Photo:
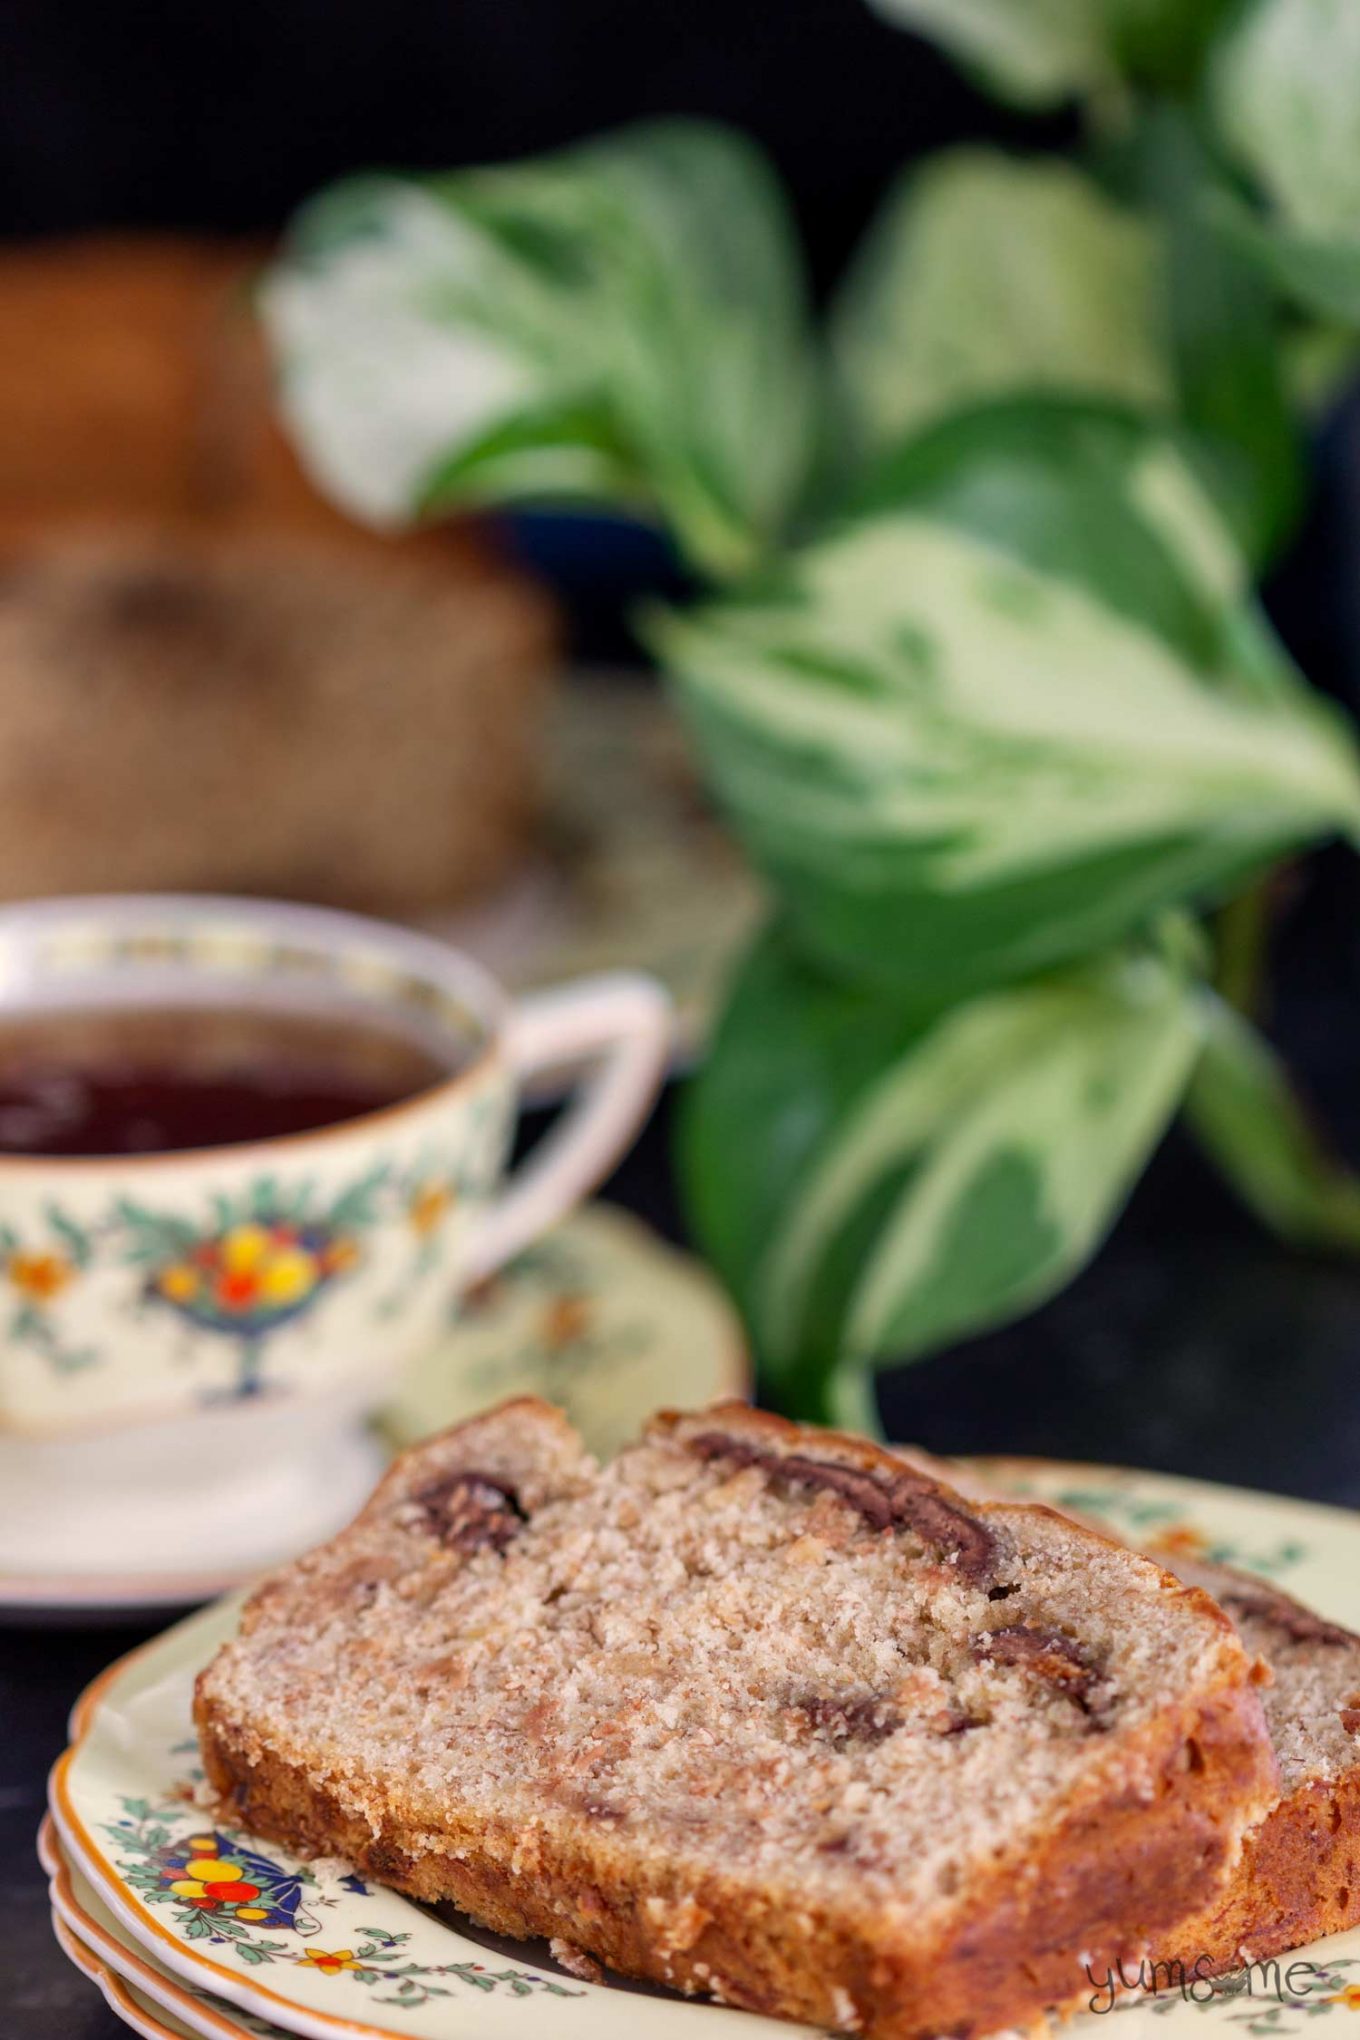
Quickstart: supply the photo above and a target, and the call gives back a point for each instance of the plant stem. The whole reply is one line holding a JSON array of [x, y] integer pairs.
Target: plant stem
[[1243, 945], [1108, 111], [851, 1402]]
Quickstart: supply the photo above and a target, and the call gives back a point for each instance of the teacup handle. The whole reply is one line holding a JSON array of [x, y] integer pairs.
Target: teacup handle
[[619, 1020]]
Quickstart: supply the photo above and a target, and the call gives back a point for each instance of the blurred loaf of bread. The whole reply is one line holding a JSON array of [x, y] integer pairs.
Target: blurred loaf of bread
[[208, 677]]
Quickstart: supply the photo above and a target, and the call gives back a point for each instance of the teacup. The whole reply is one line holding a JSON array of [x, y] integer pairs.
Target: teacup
[[190, 1340]]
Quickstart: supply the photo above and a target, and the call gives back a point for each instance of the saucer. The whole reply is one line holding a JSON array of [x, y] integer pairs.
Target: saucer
[[600, 1316], [319, 1950], [221, 1532]]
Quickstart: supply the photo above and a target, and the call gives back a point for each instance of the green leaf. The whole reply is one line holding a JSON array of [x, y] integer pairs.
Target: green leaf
[[153, 1233], [990, 1160], [1322, 360], [621, 323], [1285, 89], [1249, 1120], [1039, 52], [1035, 52], [1285, 93], [1164, 43], [999, 717], [791, 1052], [1320, 276], [985, 273], [1223, 332], [1091, 493]]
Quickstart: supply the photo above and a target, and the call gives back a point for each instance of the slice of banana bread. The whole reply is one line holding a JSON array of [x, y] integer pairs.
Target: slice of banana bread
[[756, 1711], [1298, 1877]]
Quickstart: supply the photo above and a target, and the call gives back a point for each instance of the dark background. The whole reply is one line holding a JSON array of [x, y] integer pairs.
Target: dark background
[[1194, 1343], [224, 117]]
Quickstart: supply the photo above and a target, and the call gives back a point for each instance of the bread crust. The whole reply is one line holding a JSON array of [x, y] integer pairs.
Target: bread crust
[[1297, 1881], [1133, 1853], [1111, 1881]]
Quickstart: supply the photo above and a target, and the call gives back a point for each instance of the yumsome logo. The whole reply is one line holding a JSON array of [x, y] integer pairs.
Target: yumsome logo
[[1193, 1982]]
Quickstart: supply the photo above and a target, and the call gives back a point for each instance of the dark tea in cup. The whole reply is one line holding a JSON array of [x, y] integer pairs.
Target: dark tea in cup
[[116, 1081]]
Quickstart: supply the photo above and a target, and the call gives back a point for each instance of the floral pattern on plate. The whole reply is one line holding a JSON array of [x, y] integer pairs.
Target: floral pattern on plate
[[223, 1892], [77, 1909], [1278, 1538]]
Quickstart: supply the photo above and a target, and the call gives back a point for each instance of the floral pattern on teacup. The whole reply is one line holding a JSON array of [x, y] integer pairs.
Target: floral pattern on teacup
[[267, 1259], [36, 1275], [264, 1257]]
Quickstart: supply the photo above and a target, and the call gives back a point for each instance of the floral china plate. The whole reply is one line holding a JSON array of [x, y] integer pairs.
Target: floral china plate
[[135, 1984], [600, 1316], [317, 1950]]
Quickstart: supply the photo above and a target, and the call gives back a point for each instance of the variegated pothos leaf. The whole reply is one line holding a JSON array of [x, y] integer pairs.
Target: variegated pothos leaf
[[1038, 52], [1285, 91], [1248, 1118], [985, 273], [1285, 83], [1004, 714], [993, 1156], [621, 324]]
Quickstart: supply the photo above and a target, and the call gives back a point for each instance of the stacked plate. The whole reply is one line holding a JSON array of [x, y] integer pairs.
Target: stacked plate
[[192, 1927]]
